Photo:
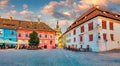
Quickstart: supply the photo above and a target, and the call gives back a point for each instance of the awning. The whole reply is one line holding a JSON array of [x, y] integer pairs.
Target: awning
[[1, 41], [9, 42], [22, 42]]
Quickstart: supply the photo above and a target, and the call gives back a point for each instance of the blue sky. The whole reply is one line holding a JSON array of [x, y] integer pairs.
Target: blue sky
[[66, 11]]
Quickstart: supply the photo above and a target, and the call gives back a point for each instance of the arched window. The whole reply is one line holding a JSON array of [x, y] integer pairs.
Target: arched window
[[40, 35], [51, 36], [45, 35], [19, 35], [50, 41], [12, 32]]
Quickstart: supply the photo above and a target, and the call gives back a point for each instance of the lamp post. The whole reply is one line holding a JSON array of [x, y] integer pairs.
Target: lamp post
[[105, 44]]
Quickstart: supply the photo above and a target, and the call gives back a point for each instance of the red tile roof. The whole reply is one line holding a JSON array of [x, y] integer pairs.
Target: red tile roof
[[24, 25], [91, 13]]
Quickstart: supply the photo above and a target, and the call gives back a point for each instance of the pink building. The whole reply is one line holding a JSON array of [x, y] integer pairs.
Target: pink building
[[45, 33]]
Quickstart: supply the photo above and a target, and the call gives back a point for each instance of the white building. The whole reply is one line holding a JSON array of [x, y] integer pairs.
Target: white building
[[97, 29]]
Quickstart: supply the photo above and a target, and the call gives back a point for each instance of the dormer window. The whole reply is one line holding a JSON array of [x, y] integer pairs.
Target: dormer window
[[104, 12], [27, 26], [85, 17], [116, 15], [35, 27]]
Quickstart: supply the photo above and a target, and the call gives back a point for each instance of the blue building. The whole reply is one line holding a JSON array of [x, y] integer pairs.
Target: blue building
[[8, 34]]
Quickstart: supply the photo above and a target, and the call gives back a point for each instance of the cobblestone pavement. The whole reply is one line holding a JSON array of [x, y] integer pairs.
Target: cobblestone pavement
[[57, 57]]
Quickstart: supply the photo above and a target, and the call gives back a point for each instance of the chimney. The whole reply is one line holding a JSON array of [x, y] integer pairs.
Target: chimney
[[11, 18]]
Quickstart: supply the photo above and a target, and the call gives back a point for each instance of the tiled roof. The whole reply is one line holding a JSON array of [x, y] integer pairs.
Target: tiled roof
[[24, 25], [91, 13]]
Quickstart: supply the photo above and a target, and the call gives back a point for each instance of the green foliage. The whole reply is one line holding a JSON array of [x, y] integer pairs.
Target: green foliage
[[34, 40]]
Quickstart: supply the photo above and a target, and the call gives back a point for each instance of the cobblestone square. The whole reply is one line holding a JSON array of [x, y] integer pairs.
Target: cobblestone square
[[57, 57]]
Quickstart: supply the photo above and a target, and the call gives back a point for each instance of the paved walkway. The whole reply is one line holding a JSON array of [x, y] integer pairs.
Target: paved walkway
[[57, 57]]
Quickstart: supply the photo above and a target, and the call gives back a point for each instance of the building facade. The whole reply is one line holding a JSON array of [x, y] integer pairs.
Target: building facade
[[8, 34], [97, 30], [18, 31], [57, 34], [62, 41]]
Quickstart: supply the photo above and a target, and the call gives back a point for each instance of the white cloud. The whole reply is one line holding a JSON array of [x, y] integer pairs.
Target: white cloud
[[4, 3], [14, 12], [115, 1], [69, 9], [25, 6], [25, 13], [62, 22]]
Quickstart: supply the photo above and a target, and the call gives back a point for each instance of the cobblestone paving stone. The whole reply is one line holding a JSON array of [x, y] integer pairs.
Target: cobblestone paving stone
[[58, 57]]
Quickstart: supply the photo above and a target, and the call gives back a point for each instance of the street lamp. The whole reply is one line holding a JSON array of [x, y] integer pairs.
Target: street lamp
[[106, 43]]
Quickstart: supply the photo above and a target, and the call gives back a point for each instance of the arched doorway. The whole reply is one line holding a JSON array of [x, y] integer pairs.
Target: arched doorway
[[88, 47], [45, 46]]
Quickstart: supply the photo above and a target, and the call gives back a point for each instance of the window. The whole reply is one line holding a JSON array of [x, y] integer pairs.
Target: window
[[74, 32], [10, 39], [91, 37], [27, 26], [69, 34], [26, 35], [90, 26], [50, 36], [40, 41], [50, 41], [46, 41], [104, 24], [74, 39], [0, 32], [112, 37], [35, 27], [81, 38], [40, 35], [19, 35], [111, 25], [12, 32], [82, 29], [104, 36], [45, 35]]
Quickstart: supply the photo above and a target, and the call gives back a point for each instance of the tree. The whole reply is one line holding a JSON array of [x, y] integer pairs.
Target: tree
[[34, 40]]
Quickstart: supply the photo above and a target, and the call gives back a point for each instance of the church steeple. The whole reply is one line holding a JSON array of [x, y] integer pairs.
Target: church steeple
[[57, 26], [38, 19]]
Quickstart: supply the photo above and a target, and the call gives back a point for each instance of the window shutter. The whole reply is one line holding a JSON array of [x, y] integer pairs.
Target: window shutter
[[82, 29], [81, 38], [104, 36], [74, 32], [91, 37], [104, 24], [74, 39], [90, 26], [111, 25], [112, 37]]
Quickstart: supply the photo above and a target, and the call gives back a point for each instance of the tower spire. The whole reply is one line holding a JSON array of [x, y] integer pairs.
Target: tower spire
[[57, 26], [38, 19]]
